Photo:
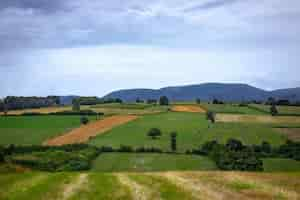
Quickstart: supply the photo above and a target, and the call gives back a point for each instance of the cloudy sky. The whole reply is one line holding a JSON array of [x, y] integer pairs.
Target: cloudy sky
[[89, 47]]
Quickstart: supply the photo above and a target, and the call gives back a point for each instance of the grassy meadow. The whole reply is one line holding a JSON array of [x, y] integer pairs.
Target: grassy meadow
[[147, 162], [26, 130], [193, 130]]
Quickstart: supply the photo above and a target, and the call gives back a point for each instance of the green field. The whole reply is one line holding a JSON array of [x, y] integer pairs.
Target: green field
[[27, 130], [281, 165], [193, 130], [144, 162], [230, 108], [282, 110]]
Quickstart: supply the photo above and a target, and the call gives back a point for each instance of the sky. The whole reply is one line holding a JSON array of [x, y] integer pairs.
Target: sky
[[88, 47]]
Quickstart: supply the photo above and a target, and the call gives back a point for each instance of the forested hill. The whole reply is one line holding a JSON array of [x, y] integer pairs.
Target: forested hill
[[207, 91]]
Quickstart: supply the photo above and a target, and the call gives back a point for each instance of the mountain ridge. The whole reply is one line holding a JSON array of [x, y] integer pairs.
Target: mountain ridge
[[207, 91]]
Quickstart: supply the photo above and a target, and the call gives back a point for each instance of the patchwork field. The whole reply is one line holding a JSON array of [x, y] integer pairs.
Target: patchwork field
[[146, 162], [188, 108], [231, 108], [27, 130], [148, 186], [192, 128], [85, 132]]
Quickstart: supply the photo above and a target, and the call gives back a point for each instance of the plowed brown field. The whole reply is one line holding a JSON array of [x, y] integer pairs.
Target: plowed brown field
[[83, 133], [188, 108]]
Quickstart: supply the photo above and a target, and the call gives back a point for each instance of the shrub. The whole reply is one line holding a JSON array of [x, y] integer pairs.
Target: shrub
[[273, 110], [234, 145], [106, 149], [154, 133], [84, 120], [55, 159], [211, 116], [76, 105], [1, 156], [127, 149], [173, 141], [148, 150], [163, 101]]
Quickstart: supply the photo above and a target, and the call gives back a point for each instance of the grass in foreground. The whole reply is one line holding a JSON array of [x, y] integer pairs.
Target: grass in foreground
[[146, 162], [27, 130], [281, 165], [168, 186], [193, 130]]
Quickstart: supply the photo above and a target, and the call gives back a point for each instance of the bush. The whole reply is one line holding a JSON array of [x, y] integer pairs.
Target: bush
[[231, 156], [125, 149], [163, 101], [148, 150], [273, 110], [234, 145], [54, 159], [106, 149], [1, 156], [84, 120], [211, 116], [216, 101], [173, 141], [154, 133]]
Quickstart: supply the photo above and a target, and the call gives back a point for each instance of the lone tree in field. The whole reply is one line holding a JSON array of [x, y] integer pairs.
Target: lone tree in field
[[211, 116], [84, 120], [163, 101], [173, 141], [273, 110], [198, 101], [1, 156], [5, 109], [154, 133], [76, 105]]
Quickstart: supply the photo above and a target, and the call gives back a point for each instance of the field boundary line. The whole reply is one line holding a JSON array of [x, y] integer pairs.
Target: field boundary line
[[85, 132]]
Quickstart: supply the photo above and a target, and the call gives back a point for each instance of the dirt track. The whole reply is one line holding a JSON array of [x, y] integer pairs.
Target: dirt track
[[84, 132], [188, 108]]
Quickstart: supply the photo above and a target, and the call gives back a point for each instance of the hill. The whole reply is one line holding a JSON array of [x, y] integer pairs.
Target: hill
[[207, 91]]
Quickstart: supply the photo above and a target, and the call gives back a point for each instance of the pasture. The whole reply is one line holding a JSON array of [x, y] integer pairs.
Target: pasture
[[26, 130], [163, 185], [281, 165], [192, 128], [147, 162]]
